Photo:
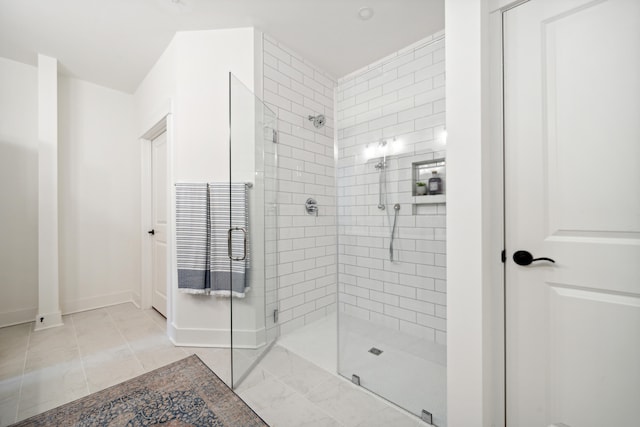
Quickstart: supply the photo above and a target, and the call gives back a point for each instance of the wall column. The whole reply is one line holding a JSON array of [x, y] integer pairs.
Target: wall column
[[49, 314]]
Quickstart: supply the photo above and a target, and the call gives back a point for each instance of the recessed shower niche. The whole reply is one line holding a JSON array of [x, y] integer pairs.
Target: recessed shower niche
[[429, 175]]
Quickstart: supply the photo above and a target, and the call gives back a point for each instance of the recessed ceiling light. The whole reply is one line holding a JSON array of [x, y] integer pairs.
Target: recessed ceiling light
[[365, 13]]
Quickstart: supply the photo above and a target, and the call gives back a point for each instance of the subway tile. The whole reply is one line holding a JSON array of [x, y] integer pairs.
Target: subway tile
[[431, 296], [270, 60], [277, 100], [415, 65], [432, 322], [369, 75], [429, 72], [277, 52], [371, 284], [358, 312], [313, 84], [302, 67], [357, 291], [386, 77], [416, 113], [370, 305], [430, 96], [327, 102], [294, 301], [394, 107], [369, 94], [398, 130], [289, 94], [396, 84], [290, 72], [416, 89], [384, 297], [400, 313], [397, 62], [276, 76], [315, 106], [417, 330], [418, 306], [430, 121], [324, 80], [399, 290]]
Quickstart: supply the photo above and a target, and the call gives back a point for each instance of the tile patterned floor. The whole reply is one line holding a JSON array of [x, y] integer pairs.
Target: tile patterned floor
[[99, 348]]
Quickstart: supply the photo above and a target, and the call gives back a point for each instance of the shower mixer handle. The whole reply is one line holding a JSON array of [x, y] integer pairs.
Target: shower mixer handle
[[311, 206]]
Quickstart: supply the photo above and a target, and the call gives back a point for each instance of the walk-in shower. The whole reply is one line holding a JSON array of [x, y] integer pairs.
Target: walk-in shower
[[391, 262]]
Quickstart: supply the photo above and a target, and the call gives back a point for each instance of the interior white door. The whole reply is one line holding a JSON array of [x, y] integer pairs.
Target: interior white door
[[572, 193], [159, 222]]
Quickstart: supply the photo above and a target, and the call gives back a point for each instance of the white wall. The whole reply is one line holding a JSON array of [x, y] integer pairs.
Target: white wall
[[19, 192], [99, 193], [401, 100], [294, 88], [473, 362], [192, 75]]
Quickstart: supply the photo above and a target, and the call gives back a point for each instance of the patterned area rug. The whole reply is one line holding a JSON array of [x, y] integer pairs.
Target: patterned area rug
[[184, 393]]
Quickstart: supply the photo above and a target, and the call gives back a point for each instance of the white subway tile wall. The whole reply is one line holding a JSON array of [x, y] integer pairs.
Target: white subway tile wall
[[399, 100], [297, 89]]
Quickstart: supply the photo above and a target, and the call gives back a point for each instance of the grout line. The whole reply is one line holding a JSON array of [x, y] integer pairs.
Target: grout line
[[126, 341], [84, 372]]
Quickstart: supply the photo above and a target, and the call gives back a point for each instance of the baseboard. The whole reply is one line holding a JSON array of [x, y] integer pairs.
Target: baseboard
[[220, 338], [99, 301], [48, 320], [16, 317], [135, 299]]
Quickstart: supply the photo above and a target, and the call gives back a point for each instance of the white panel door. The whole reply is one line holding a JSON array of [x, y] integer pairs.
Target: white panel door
[[572, 193], [159, 221]]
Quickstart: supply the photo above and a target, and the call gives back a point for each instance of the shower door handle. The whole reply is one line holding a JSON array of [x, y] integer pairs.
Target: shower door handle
[[229, 245]]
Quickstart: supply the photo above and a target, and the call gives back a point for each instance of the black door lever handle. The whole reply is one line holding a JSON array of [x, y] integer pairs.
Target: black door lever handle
[[525, 258], [152, 232]]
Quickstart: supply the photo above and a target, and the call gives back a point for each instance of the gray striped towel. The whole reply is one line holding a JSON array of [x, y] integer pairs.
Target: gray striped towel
[[228, 275], [202, 223]]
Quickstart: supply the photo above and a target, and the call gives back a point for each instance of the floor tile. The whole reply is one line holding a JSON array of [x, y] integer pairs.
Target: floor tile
[[296, 411], [344, 401], [298, 373], [46, 388], [100, 348], [9, 395]]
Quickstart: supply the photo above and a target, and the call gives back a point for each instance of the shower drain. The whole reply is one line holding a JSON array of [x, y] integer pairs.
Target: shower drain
[[375, 351]]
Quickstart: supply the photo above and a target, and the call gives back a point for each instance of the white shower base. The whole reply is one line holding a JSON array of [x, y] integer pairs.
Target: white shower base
[[410, 372]]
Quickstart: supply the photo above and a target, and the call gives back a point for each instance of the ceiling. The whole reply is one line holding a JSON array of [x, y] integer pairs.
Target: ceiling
[[115, 43]]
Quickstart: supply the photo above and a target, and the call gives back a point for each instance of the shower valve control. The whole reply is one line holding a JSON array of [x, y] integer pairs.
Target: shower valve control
[[311, 206]]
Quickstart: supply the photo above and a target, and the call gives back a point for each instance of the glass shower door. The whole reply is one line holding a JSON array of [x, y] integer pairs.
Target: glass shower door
[[252, 228]]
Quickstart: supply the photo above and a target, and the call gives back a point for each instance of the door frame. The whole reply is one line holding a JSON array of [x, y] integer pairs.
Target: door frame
[[161, 121], [496, 206]]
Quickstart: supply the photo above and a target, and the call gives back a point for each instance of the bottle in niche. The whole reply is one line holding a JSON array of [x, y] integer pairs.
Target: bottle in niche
[[435, 183]]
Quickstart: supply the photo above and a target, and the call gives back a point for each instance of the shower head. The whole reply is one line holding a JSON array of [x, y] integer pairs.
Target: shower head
[[318, 121], [396, 206]]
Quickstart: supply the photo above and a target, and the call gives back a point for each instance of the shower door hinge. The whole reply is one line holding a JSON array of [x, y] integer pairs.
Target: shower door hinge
[[275, 136], [275, 316], [503, 256]]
